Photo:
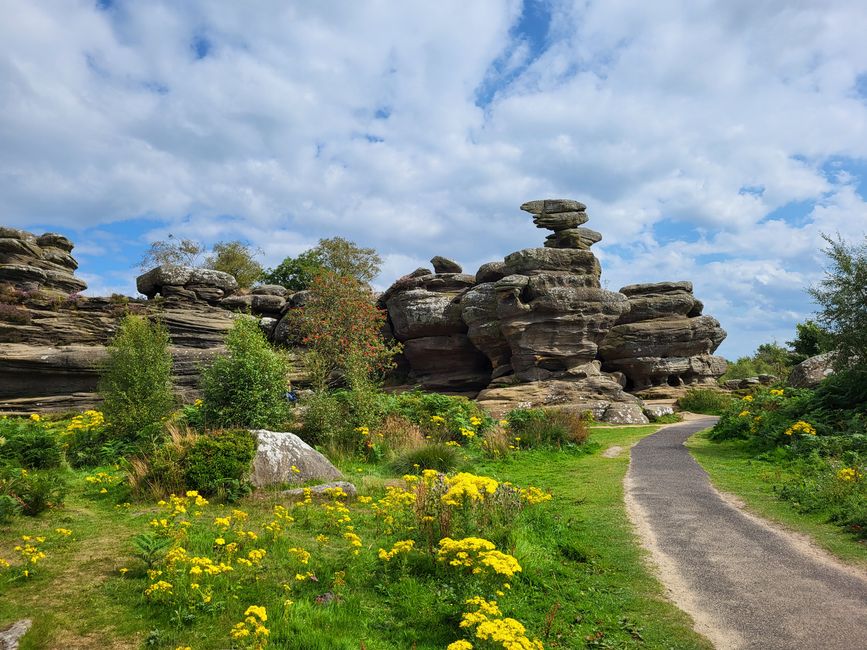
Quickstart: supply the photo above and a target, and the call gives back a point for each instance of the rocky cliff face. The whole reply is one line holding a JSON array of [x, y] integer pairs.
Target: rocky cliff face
[[535, 328]]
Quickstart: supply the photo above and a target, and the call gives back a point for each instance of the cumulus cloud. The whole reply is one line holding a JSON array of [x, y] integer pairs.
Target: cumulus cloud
[[712, 141]]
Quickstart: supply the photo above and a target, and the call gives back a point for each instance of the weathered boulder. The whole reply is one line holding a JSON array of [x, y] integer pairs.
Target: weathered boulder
[[270, 290], [419, 312], [322, 492], [479, 312], [186, 282], [449, 363], [662, 339], [554, 323], [38, 263], [810, 372], [491, 272], [595, 393], [278, 452], [533, 261], [445, 265]]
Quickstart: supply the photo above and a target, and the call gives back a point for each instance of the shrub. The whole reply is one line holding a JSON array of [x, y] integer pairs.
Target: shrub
[[29, 444], [246, 387], [399, 434], [342, 329], [219, 462], [136, 384], [438, 456], [34, 492], [707, 401], [552, 427], [215, 463], [441, 416]]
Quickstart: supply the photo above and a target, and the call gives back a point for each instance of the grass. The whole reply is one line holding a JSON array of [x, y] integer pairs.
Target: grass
[[584, 581], [733, 469]]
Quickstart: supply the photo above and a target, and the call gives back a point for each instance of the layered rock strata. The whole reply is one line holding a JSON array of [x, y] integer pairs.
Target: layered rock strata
[[663, 339], [33, 263]]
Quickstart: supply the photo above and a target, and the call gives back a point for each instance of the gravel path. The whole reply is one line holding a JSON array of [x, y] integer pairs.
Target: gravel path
[[746, 583]]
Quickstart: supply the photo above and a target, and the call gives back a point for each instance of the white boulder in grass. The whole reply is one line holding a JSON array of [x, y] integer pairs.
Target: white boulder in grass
[[278, 452]]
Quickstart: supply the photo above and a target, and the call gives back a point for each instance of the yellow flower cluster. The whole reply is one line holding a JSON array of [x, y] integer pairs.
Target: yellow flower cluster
[[748, 398], [801, 427], [744, 414], [404, 546], [534, 495], [87, 421], [363, 431], [467, 433], [102, 481], [475, 421], [777, 392], [252, 628], [300, 555], [159, 587], [35, 417], [437, 419], [30, 554], [849, 474], [489, 624], [465, 487], [477, 554]]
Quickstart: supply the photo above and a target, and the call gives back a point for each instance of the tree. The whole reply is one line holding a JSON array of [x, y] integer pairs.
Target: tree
[[136, 382], [172, 252], [811, 339], [295, 273], [237, 259], [337, 255], [842, 296], [775, 357], [344, 257], [246, 387], [342, 329]]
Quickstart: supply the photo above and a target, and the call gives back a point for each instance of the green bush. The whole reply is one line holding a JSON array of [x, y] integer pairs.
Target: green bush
[[136, 384], [33, 492], [215, 463], [704, 400], [548, 427], [29, 444], [438, 456], [219, 462], [246, 387], [441, 416]]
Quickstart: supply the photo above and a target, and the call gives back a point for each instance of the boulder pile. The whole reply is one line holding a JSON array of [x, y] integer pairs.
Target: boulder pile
[[663, 339]]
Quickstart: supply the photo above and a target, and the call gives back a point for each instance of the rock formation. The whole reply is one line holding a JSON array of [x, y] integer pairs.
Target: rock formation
[[34, 263], [663, 340], [535, 328]]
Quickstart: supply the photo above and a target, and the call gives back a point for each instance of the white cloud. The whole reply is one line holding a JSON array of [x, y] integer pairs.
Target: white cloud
[[308, 120]]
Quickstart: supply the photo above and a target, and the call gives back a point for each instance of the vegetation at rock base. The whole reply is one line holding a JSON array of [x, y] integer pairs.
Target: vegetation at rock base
[[246, 386], [136, 385], [708, 401]]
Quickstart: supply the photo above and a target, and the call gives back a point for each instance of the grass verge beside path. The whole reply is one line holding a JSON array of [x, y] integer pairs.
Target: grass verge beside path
[[600, 579], [733, 469]]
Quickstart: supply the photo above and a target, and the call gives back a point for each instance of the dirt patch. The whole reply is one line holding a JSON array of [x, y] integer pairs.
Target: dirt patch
[[612, 452]]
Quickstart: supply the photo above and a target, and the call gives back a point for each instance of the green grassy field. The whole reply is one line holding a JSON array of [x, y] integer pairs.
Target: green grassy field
[[733, 469], [584, 581]]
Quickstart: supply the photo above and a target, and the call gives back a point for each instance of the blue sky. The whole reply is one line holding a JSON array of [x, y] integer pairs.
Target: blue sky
[[711, 141]]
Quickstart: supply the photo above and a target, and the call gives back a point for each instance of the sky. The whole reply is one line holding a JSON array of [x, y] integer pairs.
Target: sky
[[711, 141]]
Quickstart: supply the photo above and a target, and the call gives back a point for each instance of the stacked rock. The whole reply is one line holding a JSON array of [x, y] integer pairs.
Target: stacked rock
[[36, 263], [565, 218], [424, 311], [186, 284], [664, 340]]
